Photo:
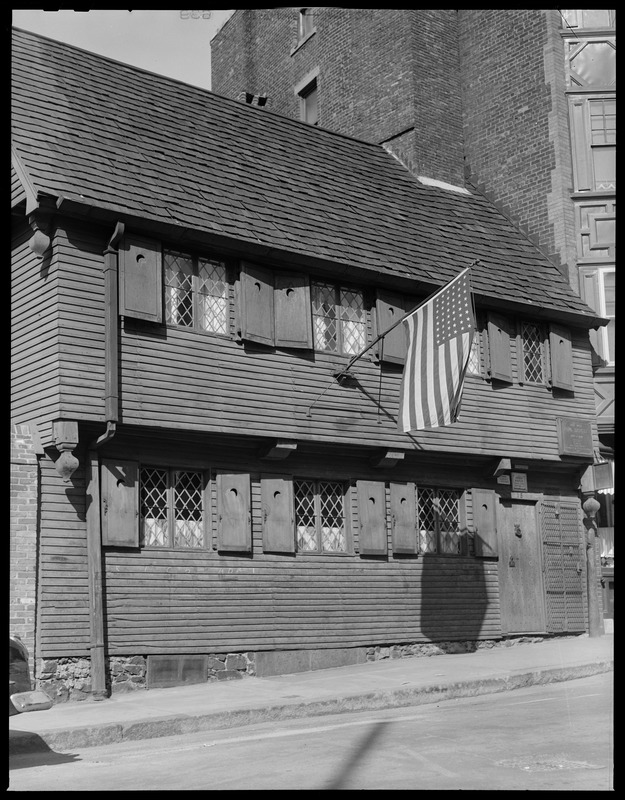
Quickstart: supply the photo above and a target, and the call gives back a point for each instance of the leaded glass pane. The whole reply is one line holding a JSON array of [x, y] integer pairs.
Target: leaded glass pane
[[154, 508], [212, 296], [305, 515], [427, 520], [324, 316], [178, 289], [188, 527], [332, 517], [532, 353], [473, 365], [449, 524], [353, 321]]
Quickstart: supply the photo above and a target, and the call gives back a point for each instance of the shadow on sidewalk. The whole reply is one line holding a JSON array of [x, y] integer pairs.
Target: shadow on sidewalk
[[30, 750]]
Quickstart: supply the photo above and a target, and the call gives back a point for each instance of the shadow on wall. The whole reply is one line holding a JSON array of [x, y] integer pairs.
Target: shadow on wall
[[454, 599]]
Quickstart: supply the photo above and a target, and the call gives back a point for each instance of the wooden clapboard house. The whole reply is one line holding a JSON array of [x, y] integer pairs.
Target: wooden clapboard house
[[190, 277]]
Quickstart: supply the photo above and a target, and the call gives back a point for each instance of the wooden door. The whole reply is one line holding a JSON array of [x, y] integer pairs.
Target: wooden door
[[520, 568]]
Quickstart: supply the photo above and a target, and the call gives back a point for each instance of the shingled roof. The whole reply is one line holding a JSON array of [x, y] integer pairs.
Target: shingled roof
[[110, 136]]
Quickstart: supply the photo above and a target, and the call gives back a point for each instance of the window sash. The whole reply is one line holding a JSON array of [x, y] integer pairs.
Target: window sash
[[607, 301], [438, 515], [533, 353], [320, 519], [172, 509], [339, 319], [305, 23], [196, 292]]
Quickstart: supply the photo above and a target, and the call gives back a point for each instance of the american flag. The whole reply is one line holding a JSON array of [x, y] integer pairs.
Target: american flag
[[440, 335]]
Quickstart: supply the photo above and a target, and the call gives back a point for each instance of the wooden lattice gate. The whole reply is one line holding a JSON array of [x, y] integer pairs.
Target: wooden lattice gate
[[564, 566]]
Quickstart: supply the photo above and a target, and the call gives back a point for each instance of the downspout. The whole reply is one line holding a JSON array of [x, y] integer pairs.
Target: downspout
[[111, 411]]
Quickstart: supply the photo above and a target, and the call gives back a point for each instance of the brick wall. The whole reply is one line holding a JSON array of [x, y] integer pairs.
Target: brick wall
[[385, 75], [515, 120], [23, 536]]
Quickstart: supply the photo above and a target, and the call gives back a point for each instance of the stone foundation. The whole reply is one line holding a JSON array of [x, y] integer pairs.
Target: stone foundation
[[69, 679]]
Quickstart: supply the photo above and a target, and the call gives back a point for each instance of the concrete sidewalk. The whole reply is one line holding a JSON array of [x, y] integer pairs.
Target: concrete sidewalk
[[382, 684]]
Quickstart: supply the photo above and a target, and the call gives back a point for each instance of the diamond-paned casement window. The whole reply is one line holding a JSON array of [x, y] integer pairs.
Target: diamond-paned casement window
[[474, 364], [196, 292], [172, 508], [439, 521], [533, 353], [339, 319], [320, 516]]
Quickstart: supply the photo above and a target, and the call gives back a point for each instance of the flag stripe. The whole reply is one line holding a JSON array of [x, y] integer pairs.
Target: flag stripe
[[440, 334]]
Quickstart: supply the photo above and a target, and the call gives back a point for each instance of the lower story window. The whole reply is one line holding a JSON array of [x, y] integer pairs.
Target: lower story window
[[320, 517], [439, 521], [172, 508]]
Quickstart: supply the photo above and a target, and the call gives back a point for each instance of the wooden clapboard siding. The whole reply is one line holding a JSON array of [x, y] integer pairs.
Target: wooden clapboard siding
[[177, 378], [211, 382], [81, 335], [63, 593], [18, 194], [34, 332], [203, 602], [166, 601]]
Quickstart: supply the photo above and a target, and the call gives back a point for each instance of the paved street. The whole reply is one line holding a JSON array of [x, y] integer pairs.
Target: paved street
[[554, 737]]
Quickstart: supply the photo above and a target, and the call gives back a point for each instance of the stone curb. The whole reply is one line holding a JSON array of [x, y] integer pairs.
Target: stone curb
[[64, 740]]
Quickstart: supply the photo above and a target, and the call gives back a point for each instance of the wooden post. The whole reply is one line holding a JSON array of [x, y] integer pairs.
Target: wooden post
[[595, 623], [94, 560]]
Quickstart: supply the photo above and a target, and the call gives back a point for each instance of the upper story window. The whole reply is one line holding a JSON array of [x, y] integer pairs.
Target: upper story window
[[588, 18], [339, 318], [320, 516], [172, 508], [607, 298], [439, 521], [309, 110], [196, 292], [474, 364], [305, 23], [532, 349]]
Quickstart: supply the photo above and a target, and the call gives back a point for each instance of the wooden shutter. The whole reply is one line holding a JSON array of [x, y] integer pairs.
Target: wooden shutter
[[372, 515], [234, 528], [140, 279], [499, 329], [256, 304], [485, 521], [389, 308], [293, 313], [278, 514], [590, 295], [119, 503], [404, 518], [561, 352]]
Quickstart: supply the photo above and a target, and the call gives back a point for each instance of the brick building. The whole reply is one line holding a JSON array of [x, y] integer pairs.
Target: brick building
[[519, 103]]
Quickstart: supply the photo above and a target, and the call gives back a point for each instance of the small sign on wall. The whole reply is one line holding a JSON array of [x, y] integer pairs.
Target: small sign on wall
[[505, 479], [574, 437], [519, 482]]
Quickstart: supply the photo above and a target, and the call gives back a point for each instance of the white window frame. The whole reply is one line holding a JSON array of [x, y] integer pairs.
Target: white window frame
[[606, 351]]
